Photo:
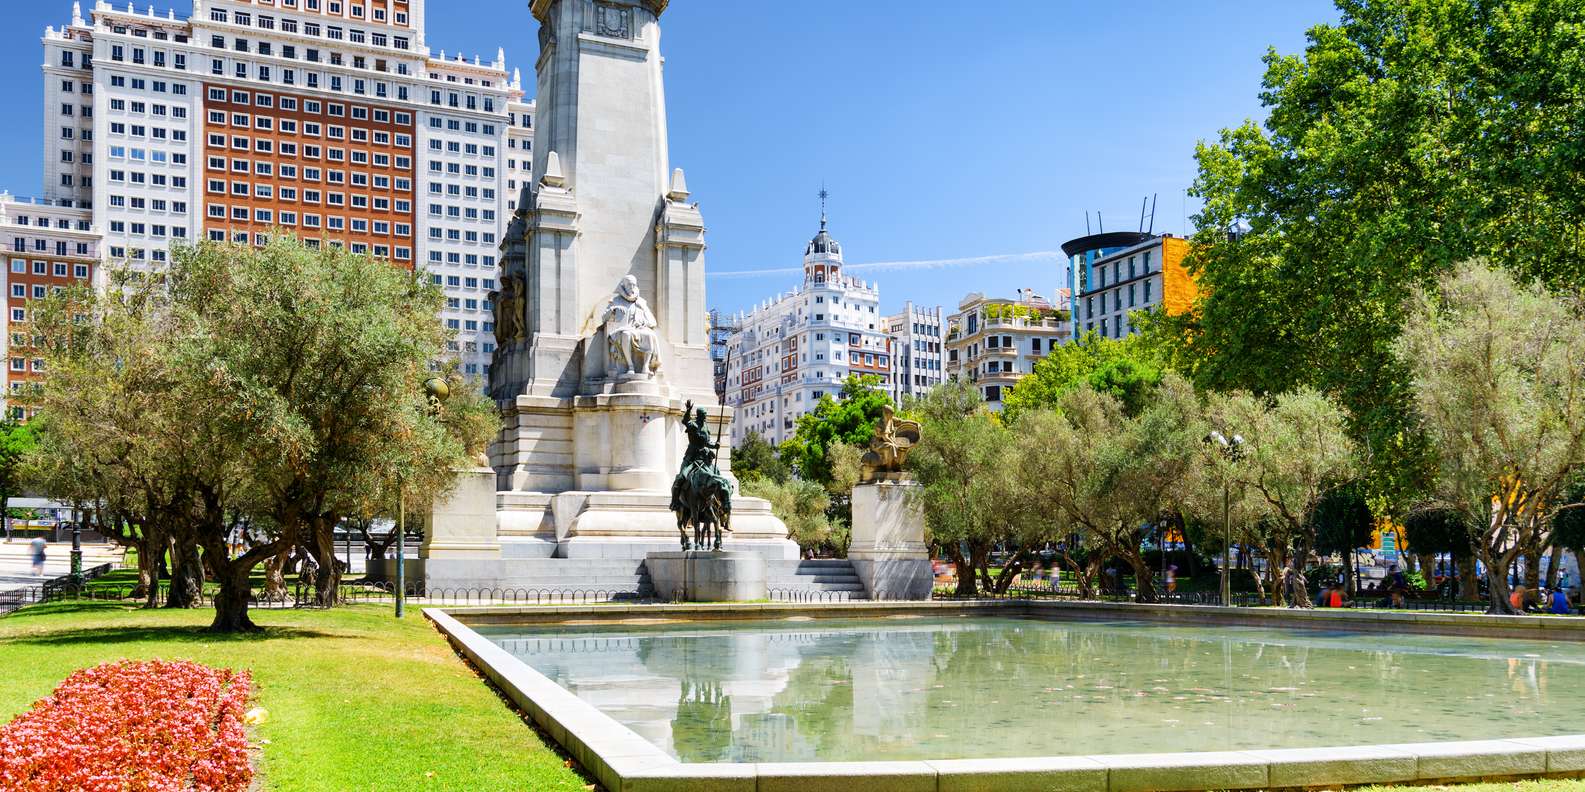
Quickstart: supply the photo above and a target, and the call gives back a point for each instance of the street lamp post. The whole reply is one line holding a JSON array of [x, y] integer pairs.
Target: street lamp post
[[77, 553], [401, 529], [1231, 449], [436, 391]]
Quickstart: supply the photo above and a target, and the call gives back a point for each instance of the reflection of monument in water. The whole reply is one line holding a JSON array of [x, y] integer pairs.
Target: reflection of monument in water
[[601, 320], [748, 694]]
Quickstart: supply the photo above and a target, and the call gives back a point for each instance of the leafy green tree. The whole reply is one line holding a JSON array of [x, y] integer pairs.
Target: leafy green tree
[[756, 459], [1411, 135], [1497, 370], [1121, 367], [1108, 476], [1343, 522], [1433, 530], [17, 440], [276, 388], [849, 418], [1296, 451], [961, 467], [803, 506]]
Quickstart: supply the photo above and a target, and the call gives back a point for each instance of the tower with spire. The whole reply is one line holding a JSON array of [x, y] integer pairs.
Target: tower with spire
[[798, 347], [823, 255]]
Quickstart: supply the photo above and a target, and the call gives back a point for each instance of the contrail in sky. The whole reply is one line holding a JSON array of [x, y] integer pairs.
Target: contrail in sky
[[903, 266]]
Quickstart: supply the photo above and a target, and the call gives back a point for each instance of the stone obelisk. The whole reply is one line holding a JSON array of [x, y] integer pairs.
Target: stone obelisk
[[603, 340]]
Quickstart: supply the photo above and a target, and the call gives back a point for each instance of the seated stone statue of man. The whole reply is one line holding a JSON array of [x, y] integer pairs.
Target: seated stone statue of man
[[632, 346]]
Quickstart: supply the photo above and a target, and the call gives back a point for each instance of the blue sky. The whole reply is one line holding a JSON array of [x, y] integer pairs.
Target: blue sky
[[976, 132]]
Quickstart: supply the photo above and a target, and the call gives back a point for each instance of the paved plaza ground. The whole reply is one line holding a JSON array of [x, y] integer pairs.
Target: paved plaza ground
[[16, 561]]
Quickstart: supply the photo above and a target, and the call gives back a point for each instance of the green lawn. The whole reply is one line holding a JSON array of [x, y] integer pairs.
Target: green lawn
[[356, 699], [1543, 785]]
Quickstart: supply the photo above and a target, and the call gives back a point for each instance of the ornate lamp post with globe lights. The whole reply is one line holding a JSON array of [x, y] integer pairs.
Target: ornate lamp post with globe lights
[[1231, 448]]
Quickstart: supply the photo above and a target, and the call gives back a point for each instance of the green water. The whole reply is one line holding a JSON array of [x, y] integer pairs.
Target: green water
[[965, 687]]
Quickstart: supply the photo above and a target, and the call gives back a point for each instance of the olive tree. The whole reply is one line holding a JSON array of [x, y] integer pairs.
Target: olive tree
[[960, 466], [1498, 368], [1110, 476], [275, 387], [1296, 451]]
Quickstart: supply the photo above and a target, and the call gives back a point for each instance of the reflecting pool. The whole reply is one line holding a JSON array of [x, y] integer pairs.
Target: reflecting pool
[[978, 686]]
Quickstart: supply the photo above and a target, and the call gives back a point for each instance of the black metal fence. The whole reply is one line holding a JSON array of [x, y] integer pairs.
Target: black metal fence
[[303, 594], [811, 595], [55, 588]]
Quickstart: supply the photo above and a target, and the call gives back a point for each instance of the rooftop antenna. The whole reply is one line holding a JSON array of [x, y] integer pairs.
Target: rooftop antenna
[[1099, 222], [1086, 222], [1142, 203], [1153, 197]]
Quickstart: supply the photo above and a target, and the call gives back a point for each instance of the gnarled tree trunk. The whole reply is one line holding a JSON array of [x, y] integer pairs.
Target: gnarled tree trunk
[[187, 572], [327, 578], [1468, 581], [275, 575], [1555, 561], [1144, 578]]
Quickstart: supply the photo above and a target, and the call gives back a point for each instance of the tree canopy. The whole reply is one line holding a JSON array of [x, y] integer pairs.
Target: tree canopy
[[264, 392], [1497, 370], [1120, 367], [756, 459], [1412, 135], [847, 419]]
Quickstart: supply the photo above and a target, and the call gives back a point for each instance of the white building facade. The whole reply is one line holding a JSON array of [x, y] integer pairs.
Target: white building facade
[[329, 119], [994, 342], [917, 346], [792, 351]]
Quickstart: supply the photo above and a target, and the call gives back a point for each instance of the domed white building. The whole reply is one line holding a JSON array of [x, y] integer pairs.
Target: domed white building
[[798, 347]]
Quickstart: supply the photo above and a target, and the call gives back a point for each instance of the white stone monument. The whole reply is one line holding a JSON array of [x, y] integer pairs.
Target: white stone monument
[[601, 322]]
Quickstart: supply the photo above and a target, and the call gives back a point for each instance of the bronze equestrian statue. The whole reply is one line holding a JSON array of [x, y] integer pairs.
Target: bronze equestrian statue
[[701, 496]]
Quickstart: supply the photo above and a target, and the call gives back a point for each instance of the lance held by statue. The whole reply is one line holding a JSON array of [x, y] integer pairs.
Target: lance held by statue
[[700, 496]]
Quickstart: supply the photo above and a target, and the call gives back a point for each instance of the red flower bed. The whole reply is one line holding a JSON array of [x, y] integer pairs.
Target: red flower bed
[[132, 726]]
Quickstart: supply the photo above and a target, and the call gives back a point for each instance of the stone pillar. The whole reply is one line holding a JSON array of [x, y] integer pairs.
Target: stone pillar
[[707, 576], [462, 522], [888, 550]]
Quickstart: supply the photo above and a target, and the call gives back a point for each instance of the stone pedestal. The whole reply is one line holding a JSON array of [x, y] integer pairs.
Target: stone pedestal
[[460, 532], [707, 576], [888, 550], [462, 523]]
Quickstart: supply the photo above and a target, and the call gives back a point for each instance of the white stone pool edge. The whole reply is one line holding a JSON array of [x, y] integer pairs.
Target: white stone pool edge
[[623, 761]]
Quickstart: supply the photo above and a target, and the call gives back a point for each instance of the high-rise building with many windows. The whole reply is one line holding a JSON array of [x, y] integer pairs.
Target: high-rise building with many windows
[[916, 333], [328, 119], [47, 246]]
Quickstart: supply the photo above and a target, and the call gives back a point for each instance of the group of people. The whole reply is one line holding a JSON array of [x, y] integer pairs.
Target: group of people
[[1540, 600]]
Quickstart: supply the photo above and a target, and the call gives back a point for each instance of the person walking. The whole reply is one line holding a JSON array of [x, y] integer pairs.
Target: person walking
[[1172, 579], [38, 544]]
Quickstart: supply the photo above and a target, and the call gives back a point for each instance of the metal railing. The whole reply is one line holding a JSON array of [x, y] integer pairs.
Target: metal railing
[[61, 587], [304, 594], [811, 595]]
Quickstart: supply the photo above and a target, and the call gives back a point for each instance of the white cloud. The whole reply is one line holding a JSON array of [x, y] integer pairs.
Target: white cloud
[[907, 266]]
